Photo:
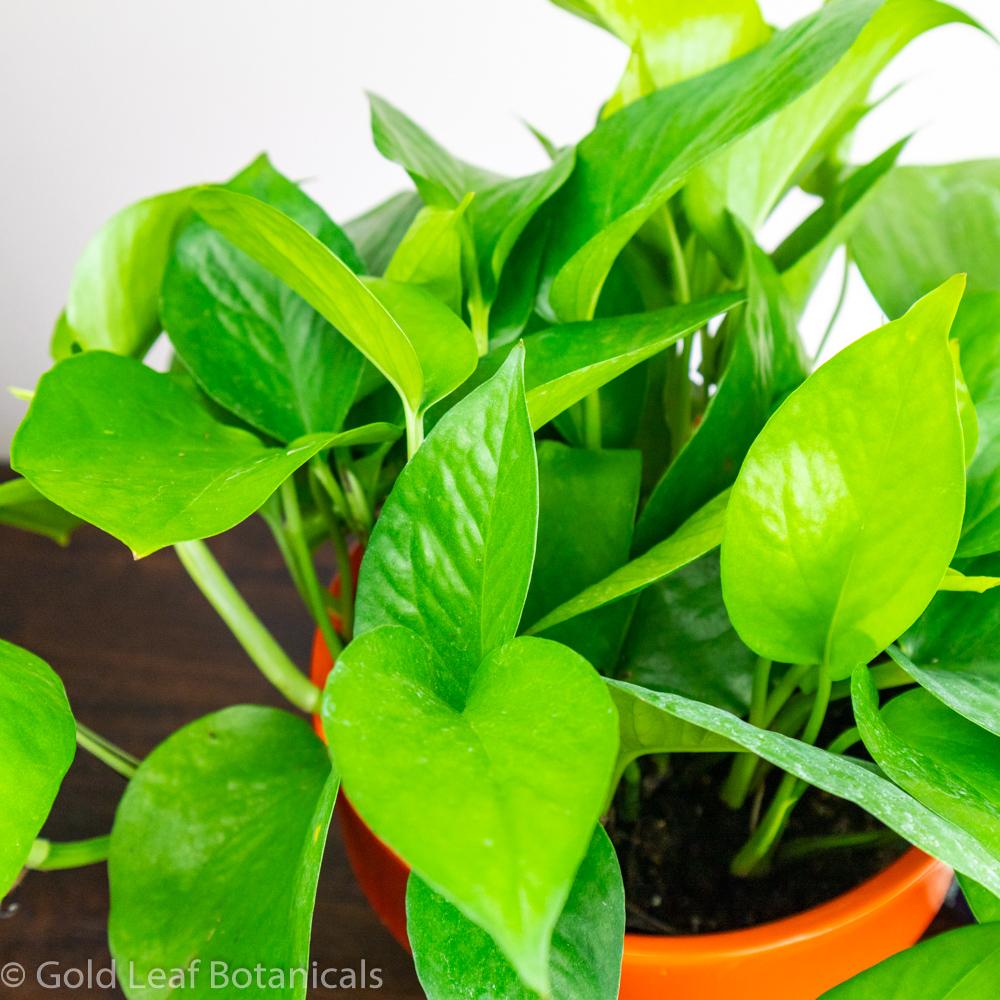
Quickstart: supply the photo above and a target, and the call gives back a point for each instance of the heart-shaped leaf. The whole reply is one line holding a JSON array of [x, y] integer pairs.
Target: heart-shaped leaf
[[487, 785], [146, 462], [456, 960], [841, 776], [961, 965], [215, 855], [451, 554], [849, 503], [253, 345], [701, 533], [22, 506], [37, 744], [636, 159]]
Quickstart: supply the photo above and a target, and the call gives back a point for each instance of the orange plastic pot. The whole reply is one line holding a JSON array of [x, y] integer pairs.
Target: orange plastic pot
[[797, 958]]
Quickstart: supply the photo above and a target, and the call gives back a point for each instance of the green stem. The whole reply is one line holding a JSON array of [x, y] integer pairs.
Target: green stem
[[307, 568], [753, 857], [250, 632], [744, 766], [105, 751], [802, 847], [479, 316], [51, 856], [679, 374], [592, 433], [328, 481], [783, 690], [414, 432], [845, 282], [342, 555]]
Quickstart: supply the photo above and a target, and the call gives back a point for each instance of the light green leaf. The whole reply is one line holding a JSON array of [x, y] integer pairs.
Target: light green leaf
[[701, 533], [215, 855], [114, 295], [22, 506], [131, 451], [959, 582], [767, 361], [941, 759], [587, 504], [378, 232], [966, 407], [37, 744], [954, 651], [927, 223], [254, 346], [841, 776], [635, 160], [850, 501], [304, 264], [961, 965], [451, 554], [487, 783], [749, 179], [566, 363], [456, 960]]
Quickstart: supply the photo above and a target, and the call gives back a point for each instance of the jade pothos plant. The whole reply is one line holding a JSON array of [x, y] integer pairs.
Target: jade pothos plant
[[541, 405]]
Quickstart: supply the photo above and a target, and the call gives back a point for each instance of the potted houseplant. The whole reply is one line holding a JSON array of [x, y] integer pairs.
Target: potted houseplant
[[714, 637]]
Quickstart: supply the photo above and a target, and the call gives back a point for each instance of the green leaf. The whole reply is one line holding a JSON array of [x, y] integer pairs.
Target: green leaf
[[567, 363], [378, 232], [317, 274], [37, 744], [841, 776], [635, 160], [976, 334], [681, 640], [701, 533], [767, 361], [966, 407], [502, 208], [850, 501], [114, 295], [451, 554], [22, 506], [215, 854], [984, 905], [253, 345], [963, 964], [749, 179], [927, 223], [587, 504], [488, 784], [941, 759], [456, 960], [131, 451], [959, 582]]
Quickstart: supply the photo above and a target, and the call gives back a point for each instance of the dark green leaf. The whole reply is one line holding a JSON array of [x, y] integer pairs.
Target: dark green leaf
[[451, 554], [850, 501], [22, 506], [215, 854], [457, 961], [587, 503], [488, 783], [961, 965], [841, 776], [635, 160], [131, 451], [253, 345], [37, 744]]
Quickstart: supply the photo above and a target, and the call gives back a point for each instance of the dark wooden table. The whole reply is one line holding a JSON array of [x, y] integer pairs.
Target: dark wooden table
[[142, 653]]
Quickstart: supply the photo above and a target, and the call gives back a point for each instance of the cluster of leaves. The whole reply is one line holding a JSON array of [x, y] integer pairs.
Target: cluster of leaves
[[541, 601]]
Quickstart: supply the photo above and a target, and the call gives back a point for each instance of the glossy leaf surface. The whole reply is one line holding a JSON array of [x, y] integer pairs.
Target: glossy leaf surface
[[37, 744], [457, 961], [147, 463], [378, 232], [849, 503], [114, 295], [252, 344], [701, 533], [215, 853], [488, 785], [767, 362], [840, 776], [587, 504], [22, 506], [961, 965], [634, 160], [451, 554]]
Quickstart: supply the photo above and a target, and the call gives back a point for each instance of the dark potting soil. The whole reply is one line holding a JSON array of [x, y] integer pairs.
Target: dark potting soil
[[675, 856]]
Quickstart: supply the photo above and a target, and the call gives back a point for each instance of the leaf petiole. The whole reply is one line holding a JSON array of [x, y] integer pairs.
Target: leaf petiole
[[51, 856], [106, 752]]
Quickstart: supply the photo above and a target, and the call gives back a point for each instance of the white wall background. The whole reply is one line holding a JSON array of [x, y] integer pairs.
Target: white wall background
[[106, 101]]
